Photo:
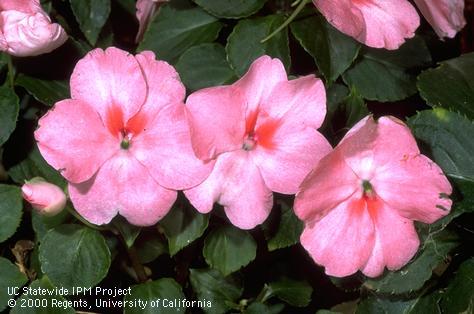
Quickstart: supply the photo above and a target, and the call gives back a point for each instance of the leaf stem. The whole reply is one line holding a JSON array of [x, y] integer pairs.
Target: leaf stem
[[288, 20]]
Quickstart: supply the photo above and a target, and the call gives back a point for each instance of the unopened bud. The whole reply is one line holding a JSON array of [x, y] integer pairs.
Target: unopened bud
[[48, 199]]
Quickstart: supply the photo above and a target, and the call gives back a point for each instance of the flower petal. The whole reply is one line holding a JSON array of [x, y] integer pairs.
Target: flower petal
[[72, 139], [296, 151], [122, 185], [109, 79], [236, 184], [165, 149], [217, 120], [145, 10], [342, 241], [25, 6], [445, 16], [396, 242]]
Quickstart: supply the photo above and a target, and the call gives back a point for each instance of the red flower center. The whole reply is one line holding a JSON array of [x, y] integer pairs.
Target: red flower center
[[262, 134], [124, 131]]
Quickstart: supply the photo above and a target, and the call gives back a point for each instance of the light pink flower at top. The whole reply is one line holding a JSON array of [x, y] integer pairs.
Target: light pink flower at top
[[360, 201], [122, 141], [26, 30], [48, 199], [145, 11], [445, 16], [375, 23], [262, 133]]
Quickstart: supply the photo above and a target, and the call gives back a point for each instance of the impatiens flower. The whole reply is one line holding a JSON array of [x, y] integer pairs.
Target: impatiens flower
[[122, 141], [48, 199], [445, 16], [360, 201], [262, 133], [375, 23], [145, 11], [26, 30]]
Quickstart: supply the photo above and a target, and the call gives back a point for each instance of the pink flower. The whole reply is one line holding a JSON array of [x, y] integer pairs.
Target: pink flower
[[26, 30], [360, 201], [145, 11], [122, 141], [376, 23], [47, 198], [445, 16], [262, 133]]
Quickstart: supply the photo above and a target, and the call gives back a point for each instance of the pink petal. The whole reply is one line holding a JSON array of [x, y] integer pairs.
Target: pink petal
[[109, 79], [329, 184], [296, 151], [217, 120], [299, 101], [445, 16], [72, 139], [145, 11], [164, 148], [342, 241], [396, 242], [376, 23], [25, 6], [236, 184], [122, 185]]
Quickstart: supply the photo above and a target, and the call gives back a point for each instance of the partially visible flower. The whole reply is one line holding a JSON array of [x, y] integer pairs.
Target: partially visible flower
[[375, 23], [26, 30], [48, 199], [360, 201], [122, 141], [445, 16], [262, 132], [145, 11]]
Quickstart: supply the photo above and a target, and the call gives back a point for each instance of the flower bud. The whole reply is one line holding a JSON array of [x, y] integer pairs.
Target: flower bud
[[47, 198]]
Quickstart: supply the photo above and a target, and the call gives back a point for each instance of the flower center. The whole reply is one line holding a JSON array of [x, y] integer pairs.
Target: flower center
[[249, 143], [126, 139]]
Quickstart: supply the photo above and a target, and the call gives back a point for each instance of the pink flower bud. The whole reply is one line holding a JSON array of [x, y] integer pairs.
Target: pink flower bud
[[26, 30], [47, 198]]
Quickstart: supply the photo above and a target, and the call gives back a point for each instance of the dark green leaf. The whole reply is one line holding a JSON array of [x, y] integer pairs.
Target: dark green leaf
[[91, 16], [287, 232], [333, 51], [128, 232], [295, 293], [459, 296], [231, 8], [11, 210], [9, 108], [182, 226], [47, 92], [204, 66], [449, 136], [209, 284], [42, 224], [150, 249], [244, 46], [175, 30], [10, 277], [260, 308], [419, 305], [158, 296], [74, 256], [451, 85], [354, 108], [228, 249]]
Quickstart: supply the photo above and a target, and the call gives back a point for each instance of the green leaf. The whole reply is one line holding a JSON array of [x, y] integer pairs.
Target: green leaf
[[420, 305], [91, 16], [158, 296], [11, 210], [53, 303], [203, 66], [9, 108], [47, 92], [459, 296], [244, 46], [333, 51], [414, 275], [42, 224], [228, 249], [287, 232], [353, 108], [222, 292], [35, 166], [260, 308], [451, 85], [231, 8], [449, 136], [128, 232], [149, 249], [175, 30], [182, 226], [74, 256], [295, 293], [10, 277], [384, 75]]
